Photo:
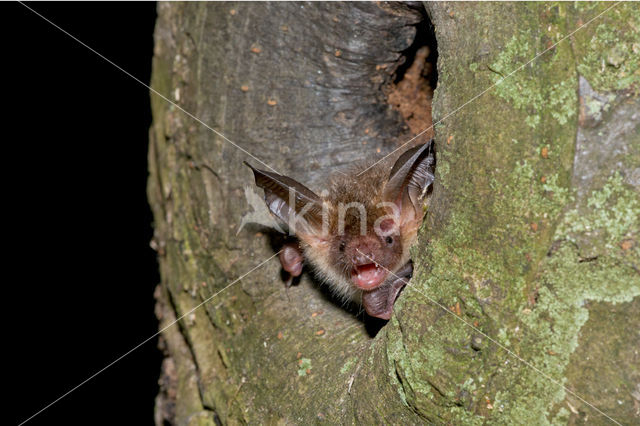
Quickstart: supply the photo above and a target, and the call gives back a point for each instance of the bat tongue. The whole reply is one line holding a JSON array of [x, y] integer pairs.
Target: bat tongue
[[367, 277]]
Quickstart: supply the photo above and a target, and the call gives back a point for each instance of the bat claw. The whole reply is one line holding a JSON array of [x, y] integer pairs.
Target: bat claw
[[289, 282]]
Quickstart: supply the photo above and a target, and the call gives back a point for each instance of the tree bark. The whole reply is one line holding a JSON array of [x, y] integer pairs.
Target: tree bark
[[530, 244]]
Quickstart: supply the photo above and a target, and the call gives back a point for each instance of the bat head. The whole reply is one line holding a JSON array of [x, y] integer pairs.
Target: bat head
[[360, 231]]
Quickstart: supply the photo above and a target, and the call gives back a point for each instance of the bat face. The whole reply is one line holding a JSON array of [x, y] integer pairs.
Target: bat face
[[358, 235], [365, 259], [370, 259]]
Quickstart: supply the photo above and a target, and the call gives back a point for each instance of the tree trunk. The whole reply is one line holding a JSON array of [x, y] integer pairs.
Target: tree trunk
[[522, 307]]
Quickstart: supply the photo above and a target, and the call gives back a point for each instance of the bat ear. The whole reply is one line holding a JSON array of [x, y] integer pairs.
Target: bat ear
[[289, 200], [410, 177]]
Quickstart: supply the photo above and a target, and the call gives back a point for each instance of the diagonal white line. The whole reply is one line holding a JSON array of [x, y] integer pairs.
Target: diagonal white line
[[510, 352], [151, 89], [147, 340], [491, 87], [264, 262]]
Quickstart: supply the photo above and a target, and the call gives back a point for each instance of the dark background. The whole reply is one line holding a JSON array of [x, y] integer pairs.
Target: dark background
[[78, 281]]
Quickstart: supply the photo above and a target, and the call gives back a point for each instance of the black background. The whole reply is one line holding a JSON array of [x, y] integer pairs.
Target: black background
[[78, 276]]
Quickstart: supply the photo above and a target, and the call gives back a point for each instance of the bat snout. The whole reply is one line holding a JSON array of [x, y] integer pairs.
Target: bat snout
[[366, 273], [363, 250], [360, 258]]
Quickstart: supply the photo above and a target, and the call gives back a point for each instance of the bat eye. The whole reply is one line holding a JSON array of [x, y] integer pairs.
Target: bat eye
[[389, 240], [342, 245]]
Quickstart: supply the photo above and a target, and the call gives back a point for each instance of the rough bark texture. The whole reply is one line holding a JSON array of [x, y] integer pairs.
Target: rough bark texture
[[531, 237]]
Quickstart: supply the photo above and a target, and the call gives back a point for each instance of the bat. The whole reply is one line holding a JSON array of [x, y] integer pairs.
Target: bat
[[356, 235]]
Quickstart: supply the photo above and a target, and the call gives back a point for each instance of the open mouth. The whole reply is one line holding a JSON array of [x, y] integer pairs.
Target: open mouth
[[368, 276]]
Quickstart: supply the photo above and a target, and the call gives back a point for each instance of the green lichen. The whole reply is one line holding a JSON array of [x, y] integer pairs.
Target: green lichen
[[520, 199], [462, 417], [304, 366], [348, 365], [561, 101], [525, 202], [560, 194], [594, 106], [505, 209], [395, 351], [609, 53], [503, 337], [516, 87], [515, 83], [546, 334], [561, 417], [442, 171], [610, 212], [554, 324], [532, 120], [567, 283]]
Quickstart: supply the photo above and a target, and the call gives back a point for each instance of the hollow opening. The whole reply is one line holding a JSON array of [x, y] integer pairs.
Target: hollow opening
[[415, 80]]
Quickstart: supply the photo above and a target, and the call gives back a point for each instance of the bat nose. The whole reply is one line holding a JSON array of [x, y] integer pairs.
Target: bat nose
[[363, 251], [362, 257]]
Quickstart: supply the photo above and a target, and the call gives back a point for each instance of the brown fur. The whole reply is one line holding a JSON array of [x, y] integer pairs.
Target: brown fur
[[324, 254], [340, 254]]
